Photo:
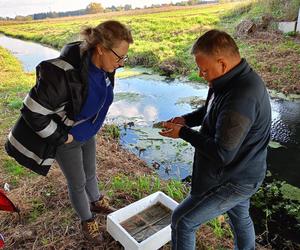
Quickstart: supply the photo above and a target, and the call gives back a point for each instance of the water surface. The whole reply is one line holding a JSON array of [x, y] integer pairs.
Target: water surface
[[29, 53]]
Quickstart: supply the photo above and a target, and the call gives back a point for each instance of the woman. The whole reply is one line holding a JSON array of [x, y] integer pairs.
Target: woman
[[65, 109]]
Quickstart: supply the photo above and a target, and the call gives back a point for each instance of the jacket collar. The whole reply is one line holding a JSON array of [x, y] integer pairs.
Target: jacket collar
[[78, 77], [79, 82], [224, 82]]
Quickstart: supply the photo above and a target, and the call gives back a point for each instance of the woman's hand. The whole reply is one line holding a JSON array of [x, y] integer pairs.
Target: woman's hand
[[70, 139]]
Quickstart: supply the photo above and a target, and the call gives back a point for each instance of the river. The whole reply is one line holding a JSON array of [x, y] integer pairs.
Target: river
[[144, 99]]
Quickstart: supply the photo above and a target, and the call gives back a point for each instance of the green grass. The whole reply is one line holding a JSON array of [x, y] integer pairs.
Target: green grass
[[141, 186], [282, 10], [278, 9], [15, 103], [38, 208], [138, 187], [13, 168], [158, 37], [194, 77], [15, 83], [111, 131], [12, 77], [219, 229], [167, 36], [254, 10]]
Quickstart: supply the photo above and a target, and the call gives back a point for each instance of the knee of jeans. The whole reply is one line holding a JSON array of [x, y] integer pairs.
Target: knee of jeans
[[77, 186], [175, 217], [181, 223], [91, 177]]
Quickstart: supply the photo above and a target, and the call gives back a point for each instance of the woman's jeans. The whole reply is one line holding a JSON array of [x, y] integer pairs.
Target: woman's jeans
[[77, 161], [196, 210]]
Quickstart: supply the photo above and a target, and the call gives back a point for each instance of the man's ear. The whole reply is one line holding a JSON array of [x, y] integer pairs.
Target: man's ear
[[224, 64]]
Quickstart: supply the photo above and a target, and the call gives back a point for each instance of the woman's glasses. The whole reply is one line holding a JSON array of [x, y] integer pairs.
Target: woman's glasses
[[120, 58]]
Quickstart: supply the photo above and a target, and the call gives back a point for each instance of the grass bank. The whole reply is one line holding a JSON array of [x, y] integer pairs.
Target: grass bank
[[274, 55]]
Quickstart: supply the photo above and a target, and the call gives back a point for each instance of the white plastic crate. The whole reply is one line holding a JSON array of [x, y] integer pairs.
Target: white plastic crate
[[153, 242]]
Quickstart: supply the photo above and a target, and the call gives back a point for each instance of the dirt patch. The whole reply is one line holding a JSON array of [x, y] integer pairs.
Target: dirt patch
[[172, 66], [112, 159], [280, 66]]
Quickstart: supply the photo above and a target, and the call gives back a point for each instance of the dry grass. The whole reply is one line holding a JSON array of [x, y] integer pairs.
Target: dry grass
[[279, 67], [47, 220]]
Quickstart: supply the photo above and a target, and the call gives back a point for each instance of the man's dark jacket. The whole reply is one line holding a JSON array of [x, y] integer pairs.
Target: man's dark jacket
[[231, 144], [49, 109]]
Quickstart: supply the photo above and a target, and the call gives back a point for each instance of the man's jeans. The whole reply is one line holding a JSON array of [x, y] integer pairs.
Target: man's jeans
[[196, 210]]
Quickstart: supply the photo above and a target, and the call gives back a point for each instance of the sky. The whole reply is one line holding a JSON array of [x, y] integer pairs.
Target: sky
[[11, 8]]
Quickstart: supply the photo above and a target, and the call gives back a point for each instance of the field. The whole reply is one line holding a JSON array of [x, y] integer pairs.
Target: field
[[158, 36], [163, 38]]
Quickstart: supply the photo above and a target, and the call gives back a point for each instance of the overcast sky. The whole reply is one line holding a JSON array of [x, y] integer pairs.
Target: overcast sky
[[11, 8]]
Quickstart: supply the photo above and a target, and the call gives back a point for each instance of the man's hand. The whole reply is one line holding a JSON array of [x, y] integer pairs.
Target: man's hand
[[70, 139], [178, 120], [170, 129]]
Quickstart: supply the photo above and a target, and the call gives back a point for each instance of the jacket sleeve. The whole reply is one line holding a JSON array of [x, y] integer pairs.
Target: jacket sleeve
[[233, 124], [44, 100], [195, 118]]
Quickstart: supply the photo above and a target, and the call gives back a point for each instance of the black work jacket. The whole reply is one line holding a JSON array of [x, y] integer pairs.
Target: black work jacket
[[49, 109]]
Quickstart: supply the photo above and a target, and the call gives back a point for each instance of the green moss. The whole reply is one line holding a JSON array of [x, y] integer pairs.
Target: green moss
[[128, 96]]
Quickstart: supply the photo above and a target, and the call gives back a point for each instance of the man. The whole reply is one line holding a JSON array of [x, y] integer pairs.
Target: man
[[230, 147]]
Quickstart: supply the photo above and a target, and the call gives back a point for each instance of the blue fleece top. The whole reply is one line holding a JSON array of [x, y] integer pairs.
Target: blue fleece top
[[94, 110]]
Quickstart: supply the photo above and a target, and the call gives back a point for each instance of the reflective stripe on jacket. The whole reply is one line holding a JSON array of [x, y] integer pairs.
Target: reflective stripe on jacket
[[49, 108]]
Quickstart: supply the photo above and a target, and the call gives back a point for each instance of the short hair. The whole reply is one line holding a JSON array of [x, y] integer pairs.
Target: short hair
[[215, 42], [108, 34]]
